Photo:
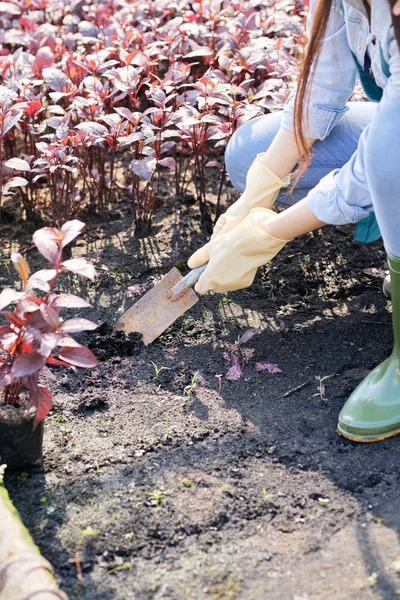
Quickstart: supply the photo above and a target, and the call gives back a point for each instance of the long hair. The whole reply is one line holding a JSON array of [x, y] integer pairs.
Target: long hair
[[310, 61]]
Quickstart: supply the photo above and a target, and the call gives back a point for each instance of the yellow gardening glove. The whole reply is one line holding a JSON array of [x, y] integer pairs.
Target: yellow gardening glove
[[233, 258], [262, 188]]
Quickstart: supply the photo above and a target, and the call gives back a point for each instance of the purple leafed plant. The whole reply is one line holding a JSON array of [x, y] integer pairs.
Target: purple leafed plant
[[166, 84], [235, 368], [36, 335]]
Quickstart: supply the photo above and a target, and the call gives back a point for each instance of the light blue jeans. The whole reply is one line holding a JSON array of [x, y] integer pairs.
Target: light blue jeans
[[256, 135]]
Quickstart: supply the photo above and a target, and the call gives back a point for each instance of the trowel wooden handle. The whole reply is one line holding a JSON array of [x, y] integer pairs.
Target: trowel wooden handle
[[189, 280]]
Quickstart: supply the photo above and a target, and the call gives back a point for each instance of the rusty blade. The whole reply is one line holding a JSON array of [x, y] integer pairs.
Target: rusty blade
[[157, 309]]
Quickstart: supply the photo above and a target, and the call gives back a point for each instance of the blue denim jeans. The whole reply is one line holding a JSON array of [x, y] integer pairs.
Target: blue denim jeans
[[256, 135]]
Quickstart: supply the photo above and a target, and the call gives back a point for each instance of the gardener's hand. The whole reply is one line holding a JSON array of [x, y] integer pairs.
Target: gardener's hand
[[396, 9], [262, 188], [233, 258]]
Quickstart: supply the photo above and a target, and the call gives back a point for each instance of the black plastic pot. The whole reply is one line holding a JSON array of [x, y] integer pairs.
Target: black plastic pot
[[20, 444]]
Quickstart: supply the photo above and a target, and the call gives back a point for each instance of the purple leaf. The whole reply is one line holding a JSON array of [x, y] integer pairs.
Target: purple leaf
[[7, 337], [96, 130], [200, 51], [145, 167], [14, 183], [269, 367], [7, 96], [71, 229], [55, 79], [45, 373], [44, 59], [10, 8], [45, 274], [68, 301], [125, 113], [28, 363], [9, 295], [134, 290], [168, 162], [42, 398], [80, 266], [11, 119], [17, 164], [78, 324], [249, 334], [70, 342], [50, 316], [79, 356], [44, 242], [5, 375], [235, 371], [48, 342], [282, 326], [34, 283], [26, 306]]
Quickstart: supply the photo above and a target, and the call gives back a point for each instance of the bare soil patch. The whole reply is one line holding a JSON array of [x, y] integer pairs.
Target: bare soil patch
[[200, 492]]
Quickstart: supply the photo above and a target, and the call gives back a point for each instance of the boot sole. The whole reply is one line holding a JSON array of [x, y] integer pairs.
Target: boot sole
[[369, 439]]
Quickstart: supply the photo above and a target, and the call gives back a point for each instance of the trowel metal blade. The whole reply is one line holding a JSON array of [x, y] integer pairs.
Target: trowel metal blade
[[157, 309]]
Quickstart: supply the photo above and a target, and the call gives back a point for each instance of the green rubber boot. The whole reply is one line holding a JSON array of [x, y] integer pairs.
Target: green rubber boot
[[372, 412], [387, 290]]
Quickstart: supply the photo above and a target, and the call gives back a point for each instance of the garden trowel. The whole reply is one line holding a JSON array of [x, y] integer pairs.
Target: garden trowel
[[161, 306]]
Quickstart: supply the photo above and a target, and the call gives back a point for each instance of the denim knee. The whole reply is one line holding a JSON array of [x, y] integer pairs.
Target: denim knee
[[235, 167], [250, 139]]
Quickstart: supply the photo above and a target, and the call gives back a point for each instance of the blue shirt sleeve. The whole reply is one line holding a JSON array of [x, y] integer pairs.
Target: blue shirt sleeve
[[346, 195], [333, 79]]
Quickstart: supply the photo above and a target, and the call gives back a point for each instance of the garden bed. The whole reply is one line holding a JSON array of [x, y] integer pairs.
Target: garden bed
[[179, 485]]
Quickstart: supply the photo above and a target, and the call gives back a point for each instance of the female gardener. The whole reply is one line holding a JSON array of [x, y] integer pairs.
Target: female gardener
[[352, 176]]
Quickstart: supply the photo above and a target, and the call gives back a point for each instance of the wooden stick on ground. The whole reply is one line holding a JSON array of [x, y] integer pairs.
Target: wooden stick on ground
[[24, 573]]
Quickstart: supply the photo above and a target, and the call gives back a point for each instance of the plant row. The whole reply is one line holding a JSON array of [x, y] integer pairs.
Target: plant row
[[101, 100]]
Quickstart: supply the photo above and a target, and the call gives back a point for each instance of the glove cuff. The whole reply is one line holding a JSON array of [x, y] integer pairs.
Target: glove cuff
[[260, 216], [279, 182]]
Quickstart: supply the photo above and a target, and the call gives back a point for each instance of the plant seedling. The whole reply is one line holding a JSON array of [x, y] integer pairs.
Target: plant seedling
[[321, 388], [267, 496], [85, 533], [167, 431], [157, 497], [124, 566], [158, 370], [190, 388], [6, 262]]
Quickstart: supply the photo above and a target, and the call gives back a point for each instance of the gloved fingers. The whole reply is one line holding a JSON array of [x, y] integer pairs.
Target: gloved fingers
[[202, 286], [228, 226], [206, 284], [200, 257], [218, 227]]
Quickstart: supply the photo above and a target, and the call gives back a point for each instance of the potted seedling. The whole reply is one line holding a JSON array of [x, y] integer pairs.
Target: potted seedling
[[35, 336]]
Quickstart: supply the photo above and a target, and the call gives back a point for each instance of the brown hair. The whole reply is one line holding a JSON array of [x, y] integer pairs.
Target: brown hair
[[311, 56]]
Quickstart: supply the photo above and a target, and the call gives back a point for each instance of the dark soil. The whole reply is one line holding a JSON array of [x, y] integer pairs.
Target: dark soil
[[16, 414], [196, 491], [106, 342]]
